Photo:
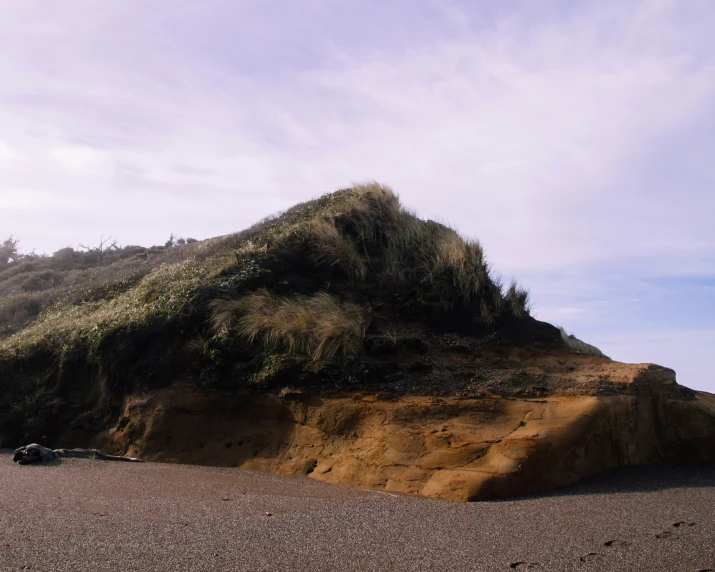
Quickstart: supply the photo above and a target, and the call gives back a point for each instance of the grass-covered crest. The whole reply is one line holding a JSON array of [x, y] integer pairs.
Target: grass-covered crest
[[310, 284], [375, 234], [369, 241]]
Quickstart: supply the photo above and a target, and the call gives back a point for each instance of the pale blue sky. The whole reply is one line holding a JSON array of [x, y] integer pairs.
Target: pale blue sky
[[574, 139]]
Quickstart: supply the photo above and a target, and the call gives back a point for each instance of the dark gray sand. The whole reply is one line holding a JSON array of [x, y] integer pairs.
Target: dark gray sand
[[81, 514]]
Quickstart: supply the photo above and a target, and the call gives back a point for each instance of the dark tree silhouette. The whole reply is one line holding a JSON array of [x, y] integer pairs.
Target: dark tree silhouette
[[104, 246], [8, 251]]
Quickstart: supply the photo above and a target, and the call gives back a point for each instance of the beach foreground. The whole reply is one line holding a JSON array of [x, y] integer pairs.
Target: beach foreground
[[96, 515]]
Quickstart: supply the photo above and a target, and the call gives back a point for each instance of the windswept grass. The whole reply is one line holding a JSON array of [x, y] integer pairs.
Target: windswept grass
[[232, 262], [518, 300], [124, 315], [579, 346], [319, 326], [163, 294], [331, 248], [363, 230], [19, 310], [29, 288], [374, 233]]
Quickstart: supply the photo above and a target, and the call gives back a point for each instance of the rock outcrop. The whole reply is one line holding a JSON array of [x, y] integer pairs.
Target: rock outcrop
[[455, 448]]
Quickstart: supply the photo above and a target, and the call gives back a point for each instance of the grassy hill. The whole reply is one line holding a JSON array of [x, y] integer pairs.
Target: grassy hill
[[309, 298]]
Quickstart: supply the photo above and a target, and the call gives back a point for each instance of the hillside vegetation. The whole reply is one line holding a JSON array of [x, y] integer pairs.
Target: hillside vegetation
[[305, 297]]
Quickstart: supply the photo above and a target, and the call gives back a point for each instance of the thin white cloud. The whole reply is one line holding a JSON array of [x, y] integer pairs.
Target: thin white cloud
[[81, 159]]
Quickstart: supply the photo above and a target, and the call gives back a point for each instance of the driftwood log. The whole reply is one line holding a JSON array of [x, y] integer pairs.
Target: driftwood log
[[34, 453]]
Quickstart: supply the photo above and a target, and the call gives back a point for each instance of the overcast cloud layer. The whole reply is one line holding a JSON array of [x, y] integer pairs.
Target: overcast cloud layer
[[574, 139]]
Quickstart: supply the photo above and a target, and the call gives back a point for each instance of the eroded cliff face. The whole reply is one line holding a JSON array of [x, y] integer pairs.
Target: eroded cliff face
[[456, 448]]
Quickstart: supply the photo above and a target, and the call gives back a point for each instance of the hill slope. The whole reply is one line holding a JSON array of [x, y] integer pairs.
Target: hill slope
[[326, 280], [341, 298]]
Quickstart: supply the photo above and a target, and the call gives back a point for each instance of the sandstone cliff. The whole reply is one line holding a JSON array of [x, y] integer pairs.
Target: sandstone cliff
[[455, 448]]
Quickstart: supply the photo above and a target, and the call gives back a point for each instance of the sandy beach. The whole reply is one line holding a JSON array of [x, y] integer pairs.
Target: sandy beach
[[96, 515]]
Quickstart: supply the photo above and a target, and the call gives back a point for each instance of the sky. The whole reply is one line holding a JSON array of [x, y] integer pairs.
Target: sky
[[574, 139]]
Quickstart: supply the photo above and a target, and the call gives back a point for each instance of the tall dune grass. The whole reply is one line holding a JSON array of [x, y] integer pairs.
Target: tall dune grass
[[331, 248], [579, 346], [319, 326], [374, 233]]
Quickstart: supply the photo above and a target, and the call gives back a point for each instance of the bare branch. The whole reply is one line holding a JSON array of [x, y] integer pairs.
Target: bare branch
[[104, 245]]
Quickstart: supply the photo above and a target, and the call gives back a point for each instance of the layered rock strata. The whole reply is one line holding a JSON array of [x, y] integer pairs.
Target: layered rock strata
[[449, 447]]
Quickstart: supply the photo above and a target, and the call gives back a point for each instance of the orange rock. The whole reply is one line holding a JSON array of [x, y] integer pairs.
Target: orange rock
[[449, 448]]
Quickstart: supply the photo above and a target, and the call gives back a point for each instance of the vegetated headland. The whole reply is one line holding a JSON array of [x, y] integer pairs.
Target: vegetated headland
[[345, 339]]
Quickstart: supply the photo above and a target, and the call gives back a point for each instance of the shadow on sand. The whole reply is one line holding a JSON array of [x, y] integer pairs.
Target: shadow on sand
[[649, 478]]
